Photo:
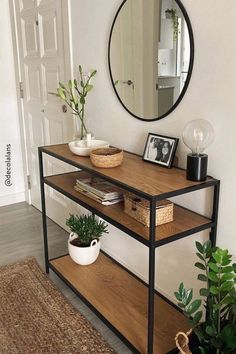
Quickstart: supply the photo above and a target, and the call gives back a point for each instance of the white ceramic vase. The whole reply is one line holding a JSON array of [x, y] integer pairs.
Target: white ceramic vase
[[83, 255]]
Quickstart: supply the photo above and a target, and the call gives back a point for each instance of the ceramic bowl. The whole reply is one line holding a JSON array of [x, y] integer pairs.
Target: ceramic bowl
[[80, 147]]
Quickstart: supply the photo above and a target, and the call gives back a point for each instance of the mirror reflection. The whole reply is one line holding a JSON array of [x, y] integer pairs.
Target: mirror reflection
[[150, 56]]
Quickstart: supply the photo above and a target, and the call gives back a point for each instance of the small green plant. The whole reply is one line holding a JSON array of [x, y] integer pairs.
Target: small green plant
[[175, 22], [217, 333], [86, 227], [75, 93]]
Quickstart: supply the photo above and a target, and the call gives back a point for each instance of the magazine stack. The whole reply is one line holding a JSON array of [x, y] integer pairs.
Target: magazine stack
[[96, 188]]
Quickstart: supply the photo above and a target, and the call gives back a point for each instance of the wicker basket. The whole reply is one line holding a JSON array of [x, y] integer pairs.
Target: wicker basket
[[106, 157], [139, 209]]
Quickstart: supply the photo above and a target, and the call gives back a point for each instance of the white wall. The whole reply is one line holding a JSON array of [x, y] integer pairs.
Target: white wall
[[211, 96], [11, 191]]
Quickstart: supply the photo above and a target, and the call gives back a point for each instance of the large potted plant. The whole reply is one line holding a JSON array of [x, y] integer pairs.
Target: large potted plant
[[216, 333], [74, 94], [84, 243]]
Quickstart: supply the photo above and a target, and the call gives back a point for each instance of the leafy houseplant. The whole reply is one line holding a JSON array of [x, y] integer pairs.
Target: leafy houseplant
[[217, 333], [83, 243], [172, 13], [75, 93], [87, 229]]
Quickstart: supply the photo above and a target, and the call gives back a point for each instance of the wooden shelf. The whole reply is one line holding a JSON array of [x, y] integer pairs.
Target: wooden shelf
[[143, 177], [122, 300], [185, 221]]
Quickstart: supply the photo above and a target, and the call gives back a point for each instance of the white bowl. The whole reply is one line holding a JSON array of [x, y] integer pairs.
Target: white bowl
[[80, 147]]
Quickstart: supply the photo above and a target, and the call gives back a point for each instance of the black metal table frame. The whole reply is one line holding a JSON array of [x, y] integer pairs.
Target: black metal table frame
[[151, 243]]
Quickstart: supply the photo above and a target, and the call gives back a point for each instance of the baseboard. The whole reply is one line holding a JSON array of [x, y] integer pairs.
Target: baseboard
[[12, 198]]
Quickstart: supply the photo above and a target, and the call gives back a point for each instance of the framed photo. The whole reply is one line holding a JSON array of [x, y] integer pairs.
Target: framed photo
[[160, 149]]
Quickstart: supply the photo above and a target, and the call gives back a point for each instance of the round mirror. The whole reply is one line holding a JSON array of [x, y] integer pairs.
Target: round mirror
[[150, 56]]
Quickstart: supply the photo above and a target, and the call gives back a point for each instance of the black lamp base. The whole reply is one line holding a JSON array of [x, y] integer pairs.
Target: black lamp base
[[197, 167]]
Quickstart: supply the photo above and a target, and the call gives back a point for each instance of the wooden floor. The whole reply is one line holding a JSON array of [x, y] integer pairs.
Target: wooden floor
[[21, 236]]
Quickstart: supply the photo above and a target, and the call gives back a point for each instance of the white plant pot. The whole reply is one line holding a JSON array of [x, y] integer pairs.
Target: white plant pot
[[83, 255]]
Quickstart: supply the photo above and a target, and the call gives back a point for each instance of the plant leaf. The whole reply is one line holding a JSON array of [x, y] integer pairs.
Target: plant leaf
[[207, 246], [197, 317], [200, 256], [182, 290], [194, 306], [202, 277], [178, 297], [214, 290], [199, 247], [188, 297], [213, 267], [82, 100], [228, 269], [213, 277], [227, 286], [204, 292], [227, 276], [88, 88], [200, 266], [61, 93], [228, 300]]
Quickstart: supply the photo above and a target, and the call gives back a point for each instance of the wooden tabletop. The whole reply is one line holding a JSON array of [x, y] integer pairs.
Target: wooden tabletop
[[150, 179]]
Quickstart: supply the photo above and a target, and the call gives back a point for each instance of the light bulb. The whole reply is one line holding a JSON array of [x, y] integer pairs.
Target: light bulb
[[198, 135]]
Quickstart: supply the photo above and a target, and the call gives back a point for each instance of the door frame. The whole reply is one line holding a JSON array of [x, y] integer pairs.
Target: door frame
[[67, 39]]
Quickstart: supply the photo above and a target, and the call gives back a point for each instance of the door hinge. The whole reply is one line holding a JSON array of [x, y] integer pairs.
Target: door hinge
[[21, 90], [37, 22], [29, 182]]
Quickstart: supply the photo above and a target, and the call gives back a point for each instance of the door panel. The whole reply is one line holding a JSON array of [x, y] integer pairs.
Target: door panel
[[48, 30], [26, 5], [29, 36]]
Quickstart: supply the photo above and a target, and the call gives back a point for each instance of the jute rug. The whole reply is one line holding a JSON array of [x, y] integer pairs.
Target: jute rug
[[36, 318]]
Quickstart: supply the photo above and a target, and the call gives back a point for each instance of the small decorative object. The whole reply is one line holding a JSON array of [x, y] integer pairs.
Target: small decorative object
[[139, 209], [160, 149], [217, 332], [74, 94], [172, 14], [84, 243], [84, 147], [197, 136], [106, 157]]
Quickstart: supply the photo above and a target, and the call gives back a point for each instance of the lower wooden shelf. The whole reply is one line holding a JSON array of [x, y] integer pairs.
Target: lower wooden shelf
[[122, 300]]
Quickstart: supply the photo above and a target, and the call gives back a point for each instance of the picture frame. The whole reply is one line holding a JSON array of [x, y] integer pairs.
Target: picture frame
[[160, 149]]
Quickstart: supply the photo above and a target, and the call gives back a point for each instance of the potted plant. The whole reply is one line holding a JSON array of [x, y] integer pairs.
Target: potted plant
[[74, 94], [172, 14], [84, 243], [217, 332]]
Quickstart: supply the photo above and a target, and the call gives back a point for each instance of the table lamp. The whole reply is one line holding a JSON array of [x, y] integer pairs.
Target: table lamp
[[197, 136]]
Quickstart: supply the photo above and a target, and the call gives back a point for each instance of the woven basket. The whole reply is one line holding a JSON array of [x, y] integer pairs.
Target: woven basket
[[182, 342], [139, 209], [106, 157]]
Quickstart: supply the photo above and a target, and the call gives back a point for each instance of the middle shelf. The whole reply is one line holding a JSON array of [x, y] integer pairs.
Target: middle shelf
[[185, 222]]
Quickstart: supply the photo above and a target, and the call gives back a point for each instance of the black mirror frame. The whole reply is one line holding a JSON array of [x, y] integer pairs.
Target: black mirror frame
[[189, 26]]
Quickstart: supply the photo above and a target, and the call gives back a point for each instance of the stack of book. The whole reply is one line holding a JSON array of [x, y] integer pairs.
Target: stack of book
[[98, 189]]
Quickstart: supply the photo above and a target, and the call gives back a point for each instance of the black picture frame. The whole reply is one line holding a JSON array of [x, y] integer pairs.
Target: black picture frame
[[153, 150]]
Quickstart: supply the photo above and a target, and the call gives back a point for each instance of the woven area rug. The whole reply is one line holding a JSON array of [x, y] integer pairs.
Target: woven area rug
[[36, 318]]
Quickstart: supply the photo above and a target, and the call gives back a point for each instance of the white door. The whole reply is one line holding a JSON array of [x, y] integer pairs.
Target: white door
[[134, 56], [41, 49]]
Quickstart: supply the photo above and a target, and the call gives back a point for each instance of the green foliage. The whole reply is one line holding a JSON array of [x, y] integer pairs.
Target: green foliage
[[217, 334], [87, 228], [175, 22], [75, 93]]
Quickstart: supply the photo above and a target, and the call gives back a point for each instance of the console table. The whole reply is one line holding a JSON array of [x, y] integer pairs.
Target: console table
[[143, 318]]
